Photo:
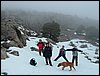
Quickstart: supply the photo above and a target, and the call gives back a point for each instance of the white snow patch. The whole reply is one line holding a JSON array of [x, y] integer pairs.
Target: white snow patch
[[19, 65]]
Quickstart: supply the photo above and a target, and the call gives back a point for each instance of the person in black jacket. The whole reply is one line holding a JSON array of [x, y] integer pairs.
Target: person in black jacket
[[75, 54], [61, 53], [47, 53]]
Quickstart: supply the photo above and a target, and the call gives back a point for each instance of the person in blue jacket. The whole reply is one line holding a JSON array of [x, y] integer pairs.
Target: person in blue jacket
[[62, 53]]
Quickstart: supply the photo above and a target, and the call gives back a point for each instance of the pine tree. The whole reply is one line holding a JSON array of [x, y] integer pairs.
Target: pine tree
[[51, 30]]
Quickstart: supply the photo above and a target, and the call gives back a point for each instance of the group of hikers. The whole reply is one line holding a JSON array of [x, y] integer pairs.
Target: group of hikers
[[46, 49]]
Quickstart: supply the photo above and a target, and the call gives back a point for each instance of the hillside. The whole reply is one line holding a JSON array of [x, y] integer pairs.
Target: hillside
[[34, 20], [24, 23], [19, 65]]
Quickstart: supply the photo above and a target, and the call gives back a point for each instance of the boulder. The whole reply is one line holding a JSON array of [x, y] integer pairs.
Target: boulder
[[4, 73], [34, 49], [51, 41], [13, 43], [96, 51], [6, 45], [97, 57], [83, 46], [97, 61], [8, 50], [3, 53], [86, 56], [16, 53], [10, 31], [72, 44]]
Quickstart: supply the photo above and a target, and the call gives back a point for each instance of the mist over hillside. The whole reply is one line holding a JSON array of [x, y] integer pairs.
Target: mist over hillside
[[35, 20], [60, 23]]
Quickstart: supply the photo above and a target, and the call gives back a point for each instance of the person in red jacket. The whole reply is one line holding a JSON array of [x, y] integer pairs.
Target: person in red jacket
[[40, 46]]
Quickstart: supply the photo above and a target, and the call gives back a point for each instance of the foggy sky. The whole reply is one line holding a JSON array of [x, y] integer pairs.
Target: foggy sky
[[82, 9]]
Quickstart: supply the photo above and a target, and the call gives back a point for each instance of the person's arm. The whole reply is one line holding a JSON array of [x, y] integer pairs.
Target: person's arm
[[43, 50], [51, 50], [37, 44], [43, 44], [68, 49], [78, 50]]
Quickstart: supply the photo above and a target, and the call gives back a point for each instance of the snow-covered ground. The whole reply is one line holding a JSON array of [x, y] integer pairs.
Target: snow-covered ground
[[19, 65]]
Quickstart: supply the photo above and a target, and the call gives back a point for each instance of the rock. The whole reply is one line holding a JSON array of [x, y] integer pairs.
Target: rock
[[13, 43], [10, 44], [3, 53], [4, 73], [51, 41], [6, 45], [34, 49], [72, 44], [96, 51], [97, 61], [10, 31], [97, 57], [8, 50], [86, 56], [19, 39], [83, 46], [83, 41], [16, 53]]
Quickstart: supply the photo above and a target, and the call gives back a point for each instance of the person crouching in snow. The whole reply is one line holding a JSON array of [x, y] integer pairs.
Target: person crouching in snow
[[47, 53], [33, 62], [40, 46], [61, 53]]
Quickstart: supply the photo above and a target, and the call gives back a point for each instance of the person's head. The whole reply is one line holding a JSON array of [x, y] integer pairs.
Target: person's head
[[47, 44], [40, 40], [63, 46]]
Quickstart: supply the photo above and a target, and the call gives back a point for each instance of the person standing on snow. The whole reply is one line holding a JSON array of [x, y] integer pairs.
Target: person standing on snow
[[40, 46], [75, 54], [47, 53], [61, 53]]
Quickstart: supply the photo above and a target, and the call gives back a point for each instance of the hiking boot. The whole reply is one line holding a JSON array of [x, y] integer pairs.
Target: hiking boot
[[46, 64], [51, 65], [55, 60]]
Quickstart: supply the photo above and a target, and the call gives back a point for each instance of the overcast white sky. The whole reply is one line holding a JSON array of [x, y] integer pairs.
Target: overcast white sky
[[81, 8]]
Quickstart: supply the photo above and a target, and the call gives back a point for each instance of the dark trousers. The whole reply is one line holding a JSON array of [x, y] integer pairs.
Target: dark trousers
[[75, 58], [48, 59], [40, 52], [62, 56]]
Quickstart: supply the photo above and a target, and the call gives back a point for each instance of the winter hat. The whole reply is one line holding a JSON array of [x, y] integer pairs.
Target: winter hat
[[47, 43], [63, 46], [40, 40]]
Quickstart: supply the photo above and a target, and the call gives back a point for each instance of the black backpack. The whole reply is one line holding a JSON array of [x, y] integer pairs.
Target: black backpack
[[33, 62]]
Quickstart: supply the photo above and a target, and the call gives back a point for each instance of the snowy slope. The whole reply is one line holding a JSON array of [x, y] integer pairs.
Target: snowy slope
[[19, 65]]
